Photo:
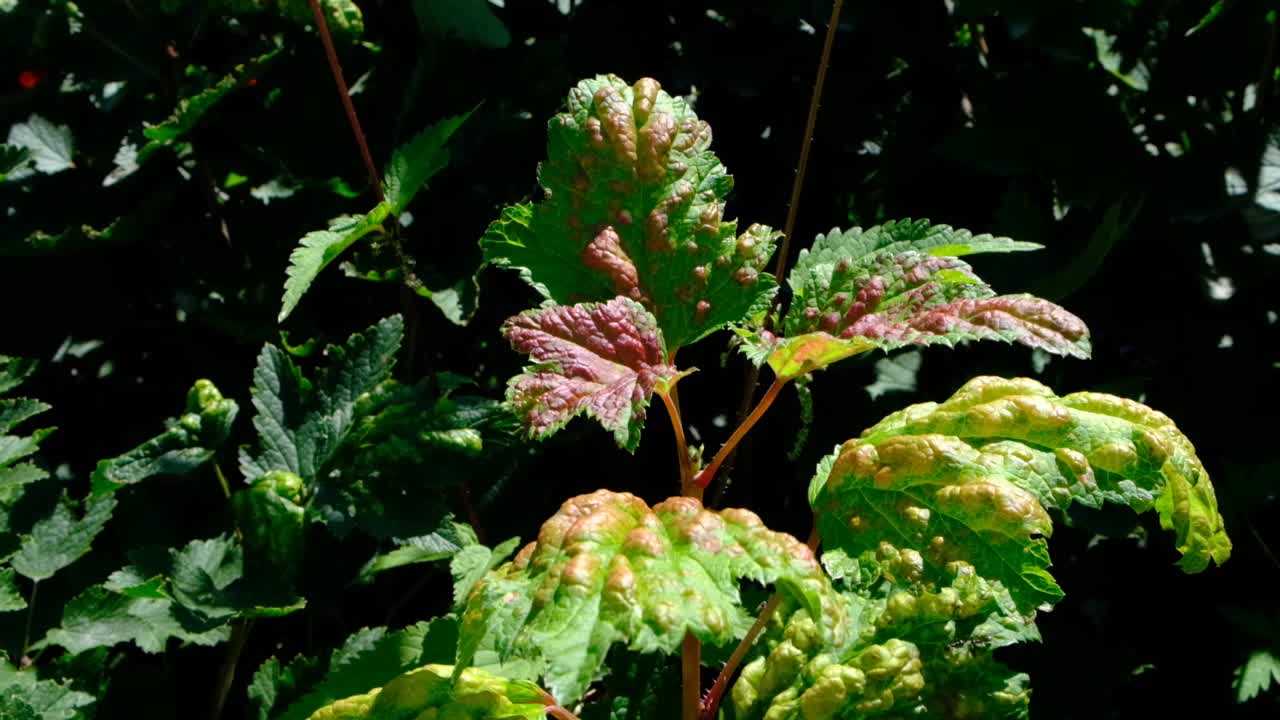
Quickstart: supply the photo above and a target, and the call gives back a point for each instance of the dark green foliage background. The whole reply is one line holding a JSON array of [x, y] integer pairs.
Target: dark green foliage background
[[178, 299]]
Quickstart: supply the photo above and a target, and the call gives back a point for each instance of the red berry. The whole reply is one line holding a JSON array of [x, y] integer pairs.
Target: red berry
[[30, 79]]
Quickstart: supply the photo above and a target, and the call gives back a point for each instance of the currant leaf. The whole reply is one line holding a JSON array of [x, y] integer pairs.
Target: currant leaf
[[902, 284], [633, 207], [608, 569], [603, 360]]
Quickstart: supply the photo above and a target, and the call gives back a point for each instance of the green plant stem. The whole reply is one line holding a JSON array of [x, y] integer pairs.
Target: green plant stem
[[31, 613], [788, 229], [230, 658], [690, 677], [222, 479], [709, 472], [712, 702], [345, 95]]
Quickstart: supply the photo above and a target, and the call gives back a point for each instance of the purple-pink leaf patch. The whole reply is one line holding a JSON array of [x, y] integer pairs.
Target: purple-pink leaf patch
[[600, 359]]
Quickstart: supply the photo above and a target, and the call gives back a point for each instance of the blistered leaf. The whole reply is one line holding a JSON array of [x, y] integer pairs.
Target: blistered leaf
[[608, 569], [317, 249], [634, 205], [437, 691], [902, 284], [10, 598], [418, 160], [301, 425], [188, 444], [272, 522], [969, 481], [60, 539], [373, 657], [603, 360], [343, 17], [49, 146]]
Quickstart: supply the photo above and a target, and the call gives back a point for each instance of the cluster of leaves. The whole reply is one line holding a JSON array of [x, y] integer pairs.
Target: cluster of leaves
[[196, 170]]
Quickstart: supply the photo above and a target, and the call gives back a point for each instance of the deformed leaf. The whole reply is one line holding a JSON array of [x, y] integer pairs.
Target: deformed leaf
[[600, 359], [969, 480], [273, 523], [608, 569], [188, 444], [902, 284], [435, 691], [634, 207]]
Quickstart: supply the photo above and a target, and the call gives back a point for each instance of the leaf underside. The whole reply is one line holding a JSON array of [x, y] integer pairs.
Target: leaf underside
[[902, 284], [608, 569], [634, 206]]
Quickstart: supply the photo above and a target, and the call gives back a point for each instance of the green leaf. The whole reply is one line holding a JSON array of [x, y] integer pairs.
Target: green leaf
[[1137, 76], [274, 685], [471, 563], [191, 110], [901, 284], [60, 539], [634, 205], [317, 249], [603, 360], [471, 21], [13, 371], [343, 17], [12, 157], [10, 598], [976, 473], [607, 569], [418, 160], [441, 691], [301, 425], [49, 146], [22, 695], [100, 618], [273, 524], [1256, 675], [637, 687], [188, 444], [373, 657], [451, 539]]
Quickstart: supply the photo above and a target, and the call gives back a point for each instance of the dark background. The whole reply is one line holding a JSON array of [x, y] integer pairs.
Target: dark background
[[997, 116]]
